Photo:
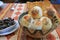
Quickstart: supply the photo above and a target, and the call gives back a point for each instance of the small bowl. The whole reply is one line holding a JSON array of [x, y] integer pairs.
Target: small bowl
[[10, 29]]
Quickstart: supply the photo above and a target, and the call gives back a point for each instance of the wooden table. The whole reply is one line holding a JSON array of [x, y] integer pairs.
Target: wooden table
[[57, 7], [6, 12]]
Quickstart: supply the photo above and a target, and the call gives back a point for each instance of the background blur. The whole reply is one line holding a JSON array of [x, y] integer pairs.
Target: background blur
[[24, 1]]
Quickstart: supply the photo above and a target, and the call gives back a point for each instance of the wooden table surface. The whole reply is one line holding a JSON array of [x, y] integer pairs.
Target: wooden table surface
[[57, 7], [5, 10]]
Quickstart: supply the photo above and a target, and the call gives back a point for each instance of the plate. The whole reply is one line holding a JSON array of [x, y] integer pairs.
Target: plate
[[11, 30]]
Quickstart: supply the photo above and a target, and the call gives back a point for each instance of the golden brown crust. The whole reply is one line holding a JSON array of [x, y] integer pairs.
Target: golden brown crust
[[41, 4], [32, 4]]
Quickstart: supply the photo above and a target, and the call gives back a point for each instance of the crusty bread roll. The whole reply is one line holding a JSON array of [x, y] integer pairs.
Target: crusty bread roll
[[36, 12], [46, 24], [26, 20]]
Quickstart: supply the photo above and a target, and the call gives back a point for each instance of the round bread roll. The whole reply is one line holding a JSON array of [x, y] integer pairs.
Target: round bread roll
[[46, 24], [36, 12], [36, 25], [26, 20]]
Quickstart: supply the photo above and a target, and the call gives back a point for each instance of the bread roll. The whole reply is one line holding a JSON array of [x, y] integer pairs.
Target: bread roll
[[46, 24]]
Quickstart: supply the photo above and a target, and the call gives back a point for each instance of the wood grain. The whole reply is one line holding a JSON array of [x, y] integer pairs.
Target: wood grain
[[5, 11]]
